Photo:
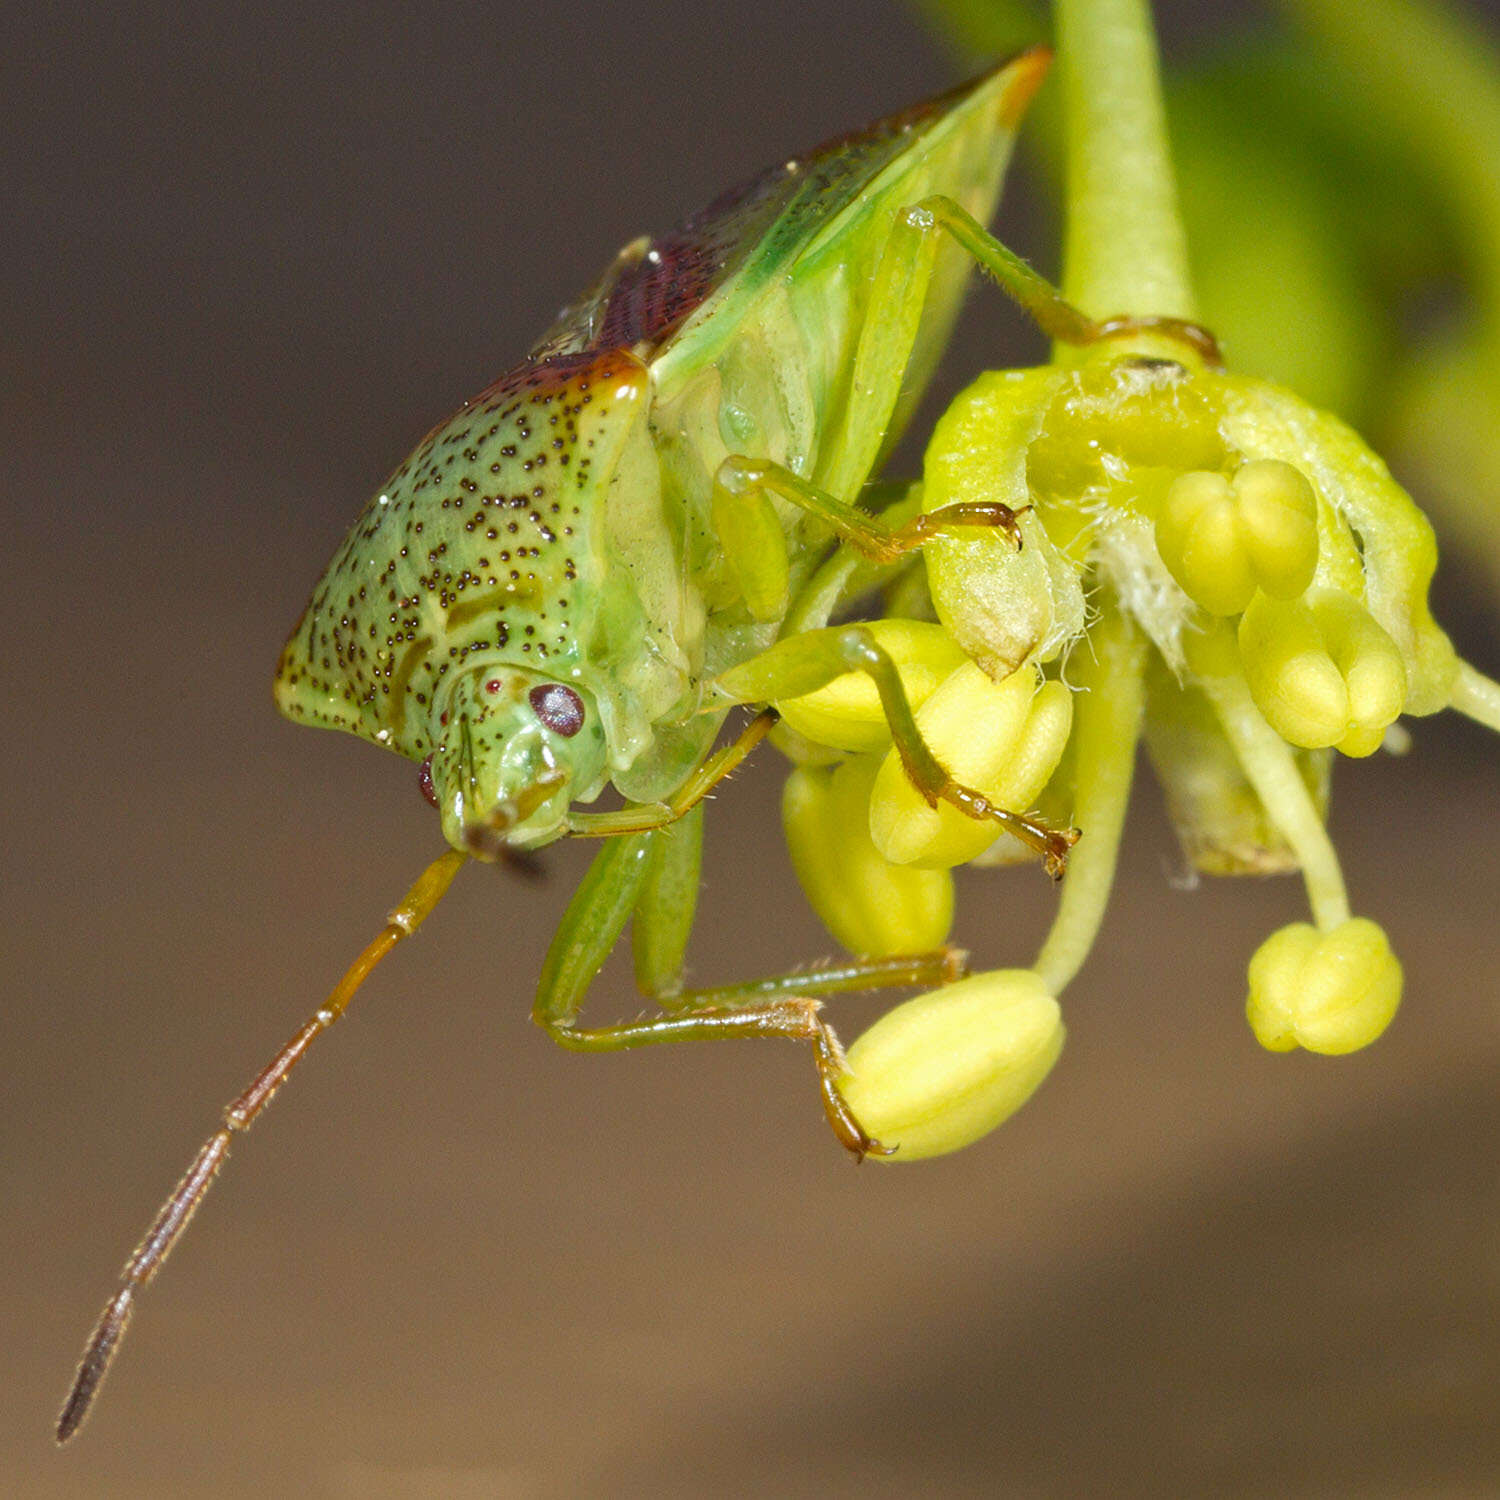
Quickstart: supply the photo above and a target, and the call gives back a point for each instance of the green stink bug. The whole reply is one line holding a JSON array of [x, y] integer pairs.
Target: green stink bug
[[543, 600]]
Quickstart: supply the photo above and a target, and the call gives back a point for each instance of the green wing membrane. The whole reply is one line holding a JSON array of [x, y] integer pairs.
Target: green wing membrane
[[691, 284]]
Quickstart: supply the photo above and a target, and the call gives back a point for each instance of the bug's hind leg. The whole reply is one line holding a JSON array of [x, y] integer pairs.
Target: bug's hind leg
[[782, 1005], [1033, 293], [652, 878]]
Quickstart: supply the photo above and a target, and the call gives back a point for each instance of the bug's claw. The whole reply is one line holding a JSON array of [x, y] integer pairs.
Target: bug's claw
[[1055, 856], [828, 1055]]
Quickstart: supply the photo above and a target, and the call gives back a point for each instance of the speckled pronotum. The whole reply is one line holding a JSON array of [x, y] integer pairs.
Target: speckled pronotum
[[543, 601]]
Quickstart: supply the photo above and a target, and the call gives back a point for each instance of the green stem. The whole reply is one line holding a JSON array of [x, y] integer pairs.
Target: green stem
[[1107, 723], [1271, 768], [1476, 697], [1125, 251]]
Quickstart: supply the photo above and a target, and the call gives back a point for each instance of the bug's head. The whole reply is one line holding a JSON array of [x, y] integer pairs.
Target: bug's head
[[515, 749]]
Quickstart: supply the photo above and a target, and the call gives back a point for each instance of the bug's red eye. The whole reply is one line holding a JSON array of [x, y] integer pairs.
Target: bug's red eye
[[424, 780], [558, 707]]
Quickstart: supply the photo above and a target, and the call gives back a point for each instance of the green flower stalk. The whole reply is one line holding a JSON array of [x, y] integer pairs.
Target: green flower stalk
[[1197, 557]]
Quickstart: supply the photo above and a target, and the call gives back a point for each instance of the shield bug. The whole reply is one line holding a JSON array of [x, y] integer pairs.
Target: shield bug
[[543, 601]]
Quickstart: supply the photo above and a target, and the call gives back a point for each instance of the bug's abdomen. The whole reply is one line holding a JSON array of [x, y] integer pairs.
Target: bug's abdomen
[[486, 540]]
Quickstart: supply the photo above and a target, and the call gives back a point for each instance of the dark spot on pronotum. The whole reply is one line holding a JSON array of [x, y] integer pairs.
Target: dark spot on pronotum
[[558, 707]]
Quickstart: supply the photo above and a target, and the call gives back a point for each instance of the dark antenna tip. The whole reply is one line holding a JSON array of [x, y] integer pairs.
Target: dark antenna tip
[[102, 1344]]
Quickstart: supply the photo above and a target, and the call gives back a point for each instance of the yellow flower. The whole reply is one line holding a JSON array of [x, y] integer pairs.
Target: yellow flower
[[1223, 536], [940, 1071], [872, 907], [1004, 739]]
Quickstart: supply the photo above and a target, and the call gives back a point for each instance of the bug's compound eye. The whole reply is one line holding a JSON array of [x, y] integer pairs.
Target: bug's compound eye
[[424, 781], [558, 707]]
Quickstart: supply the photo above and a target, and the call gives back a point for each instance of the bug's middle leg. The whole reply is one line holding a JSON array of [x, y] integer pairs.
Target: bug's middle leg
[[804, 663], [650, 879], [890, 335]]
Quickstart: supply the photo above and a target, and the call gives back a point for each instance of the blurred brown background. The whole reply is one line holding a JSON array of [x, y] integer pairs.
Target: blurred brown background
[[247, 261]]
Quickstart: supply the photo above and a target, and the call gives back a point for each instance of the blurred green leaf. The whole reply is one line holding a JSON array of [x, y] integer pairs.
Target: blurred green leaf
[[1340, 181]]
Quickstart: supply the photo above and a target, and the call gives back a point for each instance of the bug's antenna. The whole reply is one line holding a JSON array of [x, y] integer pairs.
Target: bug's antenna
[[167, 1228]]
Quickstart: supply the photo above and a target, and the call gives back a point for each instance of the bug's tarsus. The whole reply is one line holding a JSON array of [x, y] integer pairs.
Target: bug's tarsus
[[969, 513], [1194, 335], [829, 1057], [1055, 856], [177, 1212], [1053, 844]]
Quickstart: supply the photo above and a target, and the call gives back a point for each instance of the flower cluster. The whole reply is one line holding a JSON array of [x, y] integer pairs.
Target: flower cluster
[[1206, 562]]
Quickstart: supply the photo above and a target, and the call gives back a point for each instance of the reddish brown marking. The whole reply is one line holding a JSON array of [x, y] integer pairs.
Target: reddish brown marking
[[1031, 68]]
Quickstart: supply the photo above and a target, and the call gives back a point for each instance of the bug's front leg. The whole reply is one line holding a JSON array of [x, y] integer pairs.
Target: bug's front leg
[[650, 879], [642, 817]]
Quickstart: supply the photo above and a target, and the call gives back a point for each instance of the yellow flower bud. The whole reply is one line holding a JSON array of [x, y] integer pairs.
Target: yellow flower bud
[[847, 714], [872, 907], [1197, 537], [1222, 538], [944, 1069], [1322, 671], [1329, 992], [1003, 739], [1278, 516]]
